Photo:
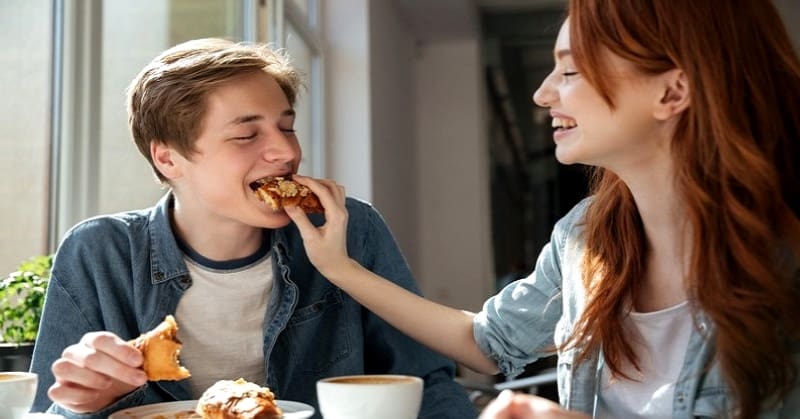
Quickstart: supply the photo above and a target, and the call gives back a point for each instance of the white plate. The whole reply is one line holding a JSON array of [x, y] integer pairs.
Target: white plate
[[185, 410]]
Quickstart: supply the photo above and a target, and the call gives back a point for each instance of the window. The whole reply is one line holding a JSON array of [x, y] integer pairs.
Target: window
[[72, 61], [293, 25], [24, 128], [125, 50]]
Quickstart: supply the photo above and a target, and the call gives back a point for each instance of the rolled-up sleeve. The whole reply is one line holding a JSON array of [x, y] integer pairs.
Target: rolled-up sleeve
[[517, 326]]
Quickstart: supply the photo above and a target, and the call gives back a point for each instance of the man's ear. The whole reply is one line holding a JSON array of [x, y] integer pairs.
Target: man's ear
[[674, 96], [165, 158]]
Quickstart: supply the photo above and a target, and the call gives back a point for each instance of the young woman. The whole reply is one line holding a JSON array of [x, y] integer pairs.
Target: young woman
[[674, 290]]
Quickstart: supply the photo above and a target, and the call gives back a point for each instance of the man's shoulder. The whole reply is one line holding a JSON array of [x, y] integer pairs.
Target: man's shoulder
[[359, 206], [121, 222], [104, 231]]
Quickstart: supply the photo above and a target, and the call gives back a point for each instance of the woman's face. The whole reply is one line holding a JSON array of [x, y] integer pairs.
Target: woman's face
[[586, 129]]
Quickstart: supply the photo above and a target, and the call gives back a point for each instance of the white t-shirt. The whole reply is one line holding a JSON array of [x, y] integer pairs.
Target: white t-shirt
[[221, 322], [659, 339]]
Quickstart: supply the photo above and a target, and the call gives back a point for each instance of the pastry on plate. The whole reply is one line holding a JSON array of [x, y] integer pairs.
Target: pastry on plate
[[239, 399]]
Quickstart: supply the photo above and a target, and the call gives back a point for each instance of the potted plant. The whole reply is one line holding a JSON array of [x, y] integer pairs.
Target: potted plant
[[21, 299]]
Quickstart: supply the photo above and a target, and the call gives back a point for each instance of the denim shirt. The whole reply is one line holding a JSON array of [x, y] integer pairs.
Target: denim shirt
[[123, 273], [529, 316]]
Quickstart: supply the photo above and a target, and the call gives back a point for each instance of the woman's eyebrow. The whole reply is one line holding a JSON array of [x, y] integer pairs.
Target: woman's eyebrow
[[561, 53]]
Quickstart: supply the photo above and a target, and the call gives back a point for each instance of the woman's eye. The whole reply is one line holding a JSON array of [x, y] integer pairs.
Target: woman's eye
[[249, 137], [569, 73], [288, 130]]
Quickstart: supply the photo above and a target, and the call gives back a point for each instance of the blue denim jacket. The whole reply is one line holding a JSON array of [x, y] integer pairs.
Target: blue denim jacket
[[123, 273], [520, 323]]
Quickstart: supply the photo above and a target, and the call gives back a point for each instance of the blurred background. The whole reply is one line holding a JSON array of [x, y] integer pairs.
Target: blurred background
[[422, 107]]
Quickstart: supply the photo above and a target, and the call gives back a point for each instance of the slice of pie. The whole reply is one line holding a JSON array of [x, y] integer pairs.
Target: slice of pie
[[160, 348], [279, 192]]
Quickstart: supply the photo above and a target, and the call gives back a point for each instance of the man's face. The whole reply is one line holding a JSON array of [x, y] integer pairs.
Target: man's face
[[247, 133]]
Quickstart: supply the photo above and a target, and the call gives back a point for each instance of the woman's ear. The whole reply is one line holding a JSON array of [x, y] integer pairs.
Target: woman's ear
[[675, 95], [165, 159]]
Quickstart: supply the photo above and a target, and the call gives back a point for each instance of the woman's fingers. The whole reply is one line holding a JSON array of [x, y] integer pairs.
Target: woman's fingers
[[307, 230], [330, 194], [499, 408]]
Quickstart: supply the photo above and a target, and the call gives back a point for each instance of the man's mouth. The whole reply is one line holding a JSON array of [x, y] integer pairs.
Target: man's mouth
[[254, 185]]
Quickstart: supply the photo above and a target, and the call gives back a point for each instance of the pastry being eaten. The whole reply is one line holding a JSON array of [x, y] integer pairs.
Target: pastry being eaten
[[160, 348], [238, 399], [279, 192]]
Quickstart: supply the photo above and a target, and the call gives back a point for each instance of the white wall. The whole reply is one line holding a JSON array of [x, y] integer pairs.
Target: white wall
[[454, 229], [406, 132], [394, 156], [790, 11], [347, 140]]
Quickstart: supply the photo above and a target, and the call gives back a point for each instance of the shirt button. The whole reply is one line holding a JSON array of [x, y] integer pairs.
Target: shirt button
[[681, 398]]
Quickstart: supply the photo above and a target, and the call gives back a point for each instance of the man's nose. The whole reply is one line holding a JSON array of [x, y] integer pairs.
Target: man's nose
[[282, 148]]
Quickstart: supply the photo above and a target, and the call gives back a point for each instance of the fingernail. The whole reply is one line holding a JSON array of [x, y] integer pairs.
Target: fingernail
[[506, 394], [140, 379]]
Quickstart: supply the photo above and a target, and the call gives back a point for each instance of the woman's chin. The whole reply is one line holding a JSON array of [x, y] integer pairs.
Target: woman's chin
[[565, 157]]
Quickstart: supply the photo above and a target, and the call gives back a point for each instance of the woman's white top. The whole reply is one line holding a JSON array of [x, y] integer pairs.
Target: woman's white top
[[659, 339]]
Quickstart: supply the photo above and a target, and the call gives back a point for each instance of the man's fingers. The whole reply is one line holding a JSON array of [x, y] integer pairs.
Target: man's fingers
[[67, 371], [72, 397], [105, 354], [114, 346]]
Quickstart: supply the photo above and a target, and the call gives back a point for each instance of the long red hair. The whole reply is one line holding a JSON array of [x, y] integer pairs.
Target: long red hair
[[735, 154]]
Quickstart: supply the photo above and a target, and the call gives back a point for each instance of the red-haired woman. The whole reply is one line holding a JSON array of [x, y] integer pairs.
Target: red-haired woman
[[674, 289]]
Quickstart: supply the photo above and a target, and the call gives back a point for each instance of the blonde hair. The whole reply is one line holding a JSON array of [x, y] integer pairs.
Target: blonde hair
[[166, 100]]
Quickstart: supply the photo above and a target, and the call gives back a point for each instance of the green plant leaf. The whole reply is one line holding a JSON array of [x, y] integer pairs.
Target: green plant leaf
[[21, 298]]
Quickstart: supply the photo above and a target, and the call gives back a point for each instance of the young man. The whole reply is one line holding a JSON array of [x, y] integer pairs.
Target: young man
[[211, 117]]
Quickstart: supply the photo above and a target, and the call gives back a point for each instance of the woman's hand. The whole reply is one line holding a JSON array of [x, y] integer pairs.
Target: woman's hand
[[95, 372], [326, 245], [509, 405]]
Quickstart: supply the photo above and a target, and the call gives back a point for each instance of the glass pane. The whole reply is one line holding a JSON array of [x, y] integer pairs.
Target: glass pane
[[302, 59], [302, 7], [24, 128], [126, 49]]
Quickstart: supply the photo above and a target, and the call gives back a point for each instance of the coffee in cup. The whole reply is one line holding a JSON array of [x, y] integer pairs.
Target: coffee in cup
[[17, 391], [370, 397]]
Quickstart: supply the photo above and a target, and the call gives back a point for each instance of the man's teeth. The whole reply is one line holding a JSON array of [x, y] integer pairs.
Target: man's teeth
[[563, 123]]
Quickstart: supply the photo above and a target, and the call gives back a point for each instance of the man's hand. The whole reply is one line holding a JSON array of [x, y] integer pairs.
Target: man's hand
[[95, 372], [525, 406]]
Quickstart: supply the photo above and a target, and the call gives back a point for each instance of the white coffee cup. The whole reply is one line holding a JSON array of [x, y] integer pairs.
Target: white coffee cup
[[370, 397], [17, 391]]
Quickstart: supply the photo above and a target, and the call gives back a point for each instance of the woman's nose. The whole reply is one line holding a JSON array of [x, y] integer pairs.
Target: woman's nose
[[545, 95]]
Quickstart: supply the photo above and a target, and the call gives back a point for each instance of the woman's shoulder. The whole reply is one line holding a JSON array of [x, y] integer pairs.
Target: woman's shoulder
[[571, 224]]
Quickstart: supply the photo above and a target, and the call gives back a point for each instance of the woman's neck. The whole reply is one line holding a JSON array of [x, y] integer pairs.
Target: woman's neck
[[668, 236]]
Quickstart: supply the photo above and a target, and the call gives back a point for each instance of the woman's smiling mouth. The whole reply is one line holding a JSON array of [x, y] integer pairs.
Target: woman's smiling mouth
[[562, 126]]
